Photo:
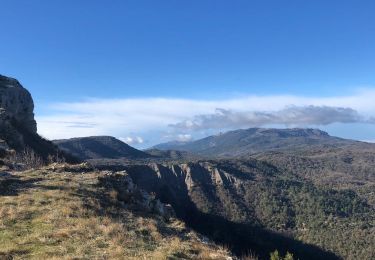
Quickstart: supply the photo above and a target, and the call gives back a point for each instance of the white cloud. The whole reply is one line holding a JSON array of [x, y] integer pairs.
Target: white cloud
[[184, 137], [132, 140], [150, 117]]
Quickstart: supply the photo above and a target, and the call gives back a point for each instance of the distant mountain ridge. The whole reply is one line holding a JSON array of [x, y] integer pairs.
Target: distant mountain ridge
[[169, 154], [255, 140], [172, 145], [98, 147]]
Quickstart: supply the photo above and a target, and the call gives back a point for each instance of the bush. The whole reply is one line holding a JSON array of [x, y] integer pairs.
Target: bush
[[29, 159]]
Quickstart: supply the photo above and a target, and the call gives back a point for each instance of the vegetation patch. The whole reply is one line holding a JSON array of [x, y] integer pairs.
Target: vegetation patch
[[49, 215]]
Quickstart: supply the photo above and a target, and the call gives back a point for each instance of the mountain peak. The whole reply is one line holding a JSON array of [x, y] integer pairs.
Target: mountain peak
[[95, 147], [254, 140]]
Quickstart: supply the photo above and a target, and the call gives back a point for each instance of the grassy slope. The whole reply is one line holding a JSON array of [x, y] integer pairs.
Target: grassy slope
[[46, 215]]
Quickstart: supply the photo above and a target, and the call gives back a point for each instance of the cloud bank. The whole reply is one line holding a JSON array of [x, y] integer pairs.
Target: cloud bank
[[290, 116], [155, 120]]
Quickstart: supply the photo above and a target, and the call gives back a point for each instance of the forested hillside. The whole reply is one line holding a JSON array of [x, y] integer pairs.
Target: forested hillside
[[255, 206]]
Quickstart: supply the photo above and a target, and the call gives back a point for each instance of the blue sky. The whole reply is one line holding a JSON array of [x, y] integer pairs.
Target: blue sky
[[84, 54]]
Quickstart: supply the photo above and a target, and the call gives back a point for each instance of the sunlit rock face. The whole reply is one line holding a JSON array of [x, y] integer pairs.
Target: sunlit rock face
[[18, 128], [16, 104]]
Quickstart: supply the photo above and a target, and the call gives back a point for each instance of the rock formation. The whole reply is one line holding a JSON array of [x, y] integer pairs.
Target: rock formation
[[16, 114], [18, 128], [16, 104], [128, 192]]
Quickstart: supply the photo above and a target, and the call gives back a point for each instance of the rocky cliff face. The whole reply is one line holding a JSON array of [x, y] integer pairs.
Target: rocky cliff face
[[18, 128], [16, 104], [208, 186], [16, 114]]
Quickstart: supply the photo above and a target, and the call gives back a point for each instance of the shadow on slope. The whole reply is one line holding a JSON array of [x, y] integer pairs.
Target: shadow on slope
[[12, 185], [242, 239], [169, 184], [43, 148], [245, 239]]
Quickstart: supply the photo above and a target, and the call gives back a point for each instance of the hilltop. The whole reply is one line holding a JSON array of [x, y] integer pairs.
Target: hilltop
[[244, 142], [95, 147]]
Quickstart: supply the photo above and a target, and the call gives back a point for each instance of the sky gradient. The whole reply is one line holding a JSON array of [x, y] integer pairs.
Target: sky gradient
[[136, 69]]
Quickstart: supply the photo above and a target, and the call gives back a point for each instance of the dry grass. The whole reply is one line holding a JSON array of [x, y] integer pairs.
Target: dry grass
[[46, 215]]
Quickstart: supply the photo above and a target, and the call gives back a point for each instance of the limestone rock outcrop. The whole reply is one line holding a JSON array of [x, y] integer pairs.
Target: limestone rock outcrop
[[16, 104], [130, 193], [18, 128]]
